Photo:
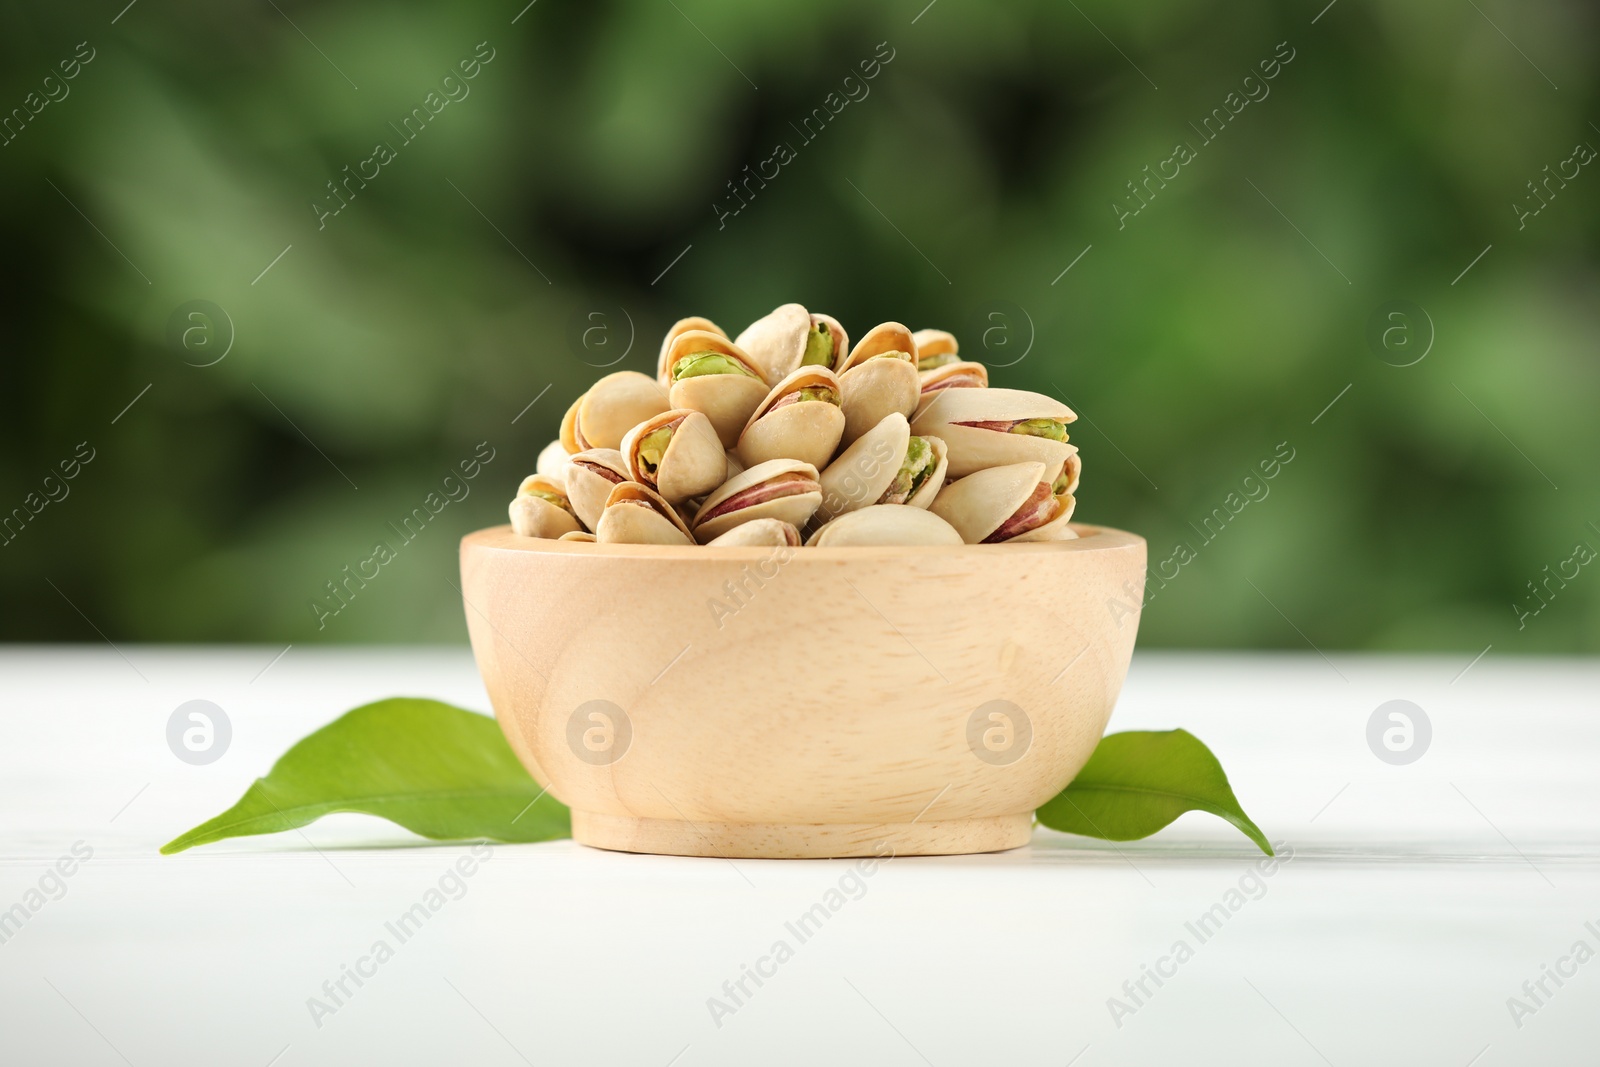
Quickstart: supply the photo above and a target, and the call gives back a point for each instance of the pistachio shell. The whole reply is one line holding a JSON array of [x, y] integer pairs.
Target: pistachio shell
[[973, 448], [935, 343], [637, 515], [553, 460], [587, 488], [885, 524], [978, 504], [534, 516], [882, 338], [953, 376], [876, 388], [864, 470], [694, 461], [759, 533], [726, 399], [1074, 469], [612, 406], [795, 508], [682, 326], [1054, 530], [577, 535], [807, 430]]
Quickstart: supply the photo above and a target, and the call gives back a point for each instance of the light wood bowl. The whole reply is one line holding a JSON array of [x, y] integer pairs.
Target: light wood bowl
[[840, 702]]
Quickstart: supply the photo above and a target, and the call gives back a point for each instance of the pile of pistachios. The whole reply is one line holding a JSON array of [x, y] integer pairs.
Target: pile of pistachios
[[787, 434]]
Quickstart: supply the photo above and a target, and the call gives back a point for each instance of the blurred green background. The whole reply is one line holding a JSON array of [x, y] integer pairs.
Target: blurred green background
[[581, 178]]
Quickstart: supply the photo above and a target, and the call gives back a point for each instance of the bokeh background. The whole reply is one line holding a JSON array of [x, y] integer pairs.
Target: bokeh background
[[1360, 212]]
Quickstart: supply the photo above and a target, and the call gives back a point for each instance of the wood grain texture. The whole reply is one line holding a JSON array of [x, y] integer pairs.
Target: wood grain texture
[[802, 702]]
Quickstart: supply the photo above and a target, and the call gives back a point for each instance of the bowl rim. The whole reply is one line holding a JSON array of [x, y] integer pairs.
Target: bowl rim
[[1091, 540]]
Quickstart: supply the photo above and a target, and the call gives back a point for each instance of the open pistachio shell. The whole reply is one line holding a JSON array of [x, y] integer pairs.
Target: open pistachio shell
[[612, 406], [975, 424], [577, 535], [861, 473], [683, 326], [983, 505], [541, 508], [958, 375], [885, 524], [590, 479], [677, 454], [759, 533], [935, 348], [877, 377], [790, 337], [728, 397], [1073, 469], [637, 515], [796, 420], [784, 489], [553, 459], [1057, 528]]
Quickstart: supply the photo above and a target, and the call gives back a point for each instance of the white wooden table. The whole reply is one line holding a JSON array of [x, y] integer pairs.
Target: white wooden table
[[1418, 900]]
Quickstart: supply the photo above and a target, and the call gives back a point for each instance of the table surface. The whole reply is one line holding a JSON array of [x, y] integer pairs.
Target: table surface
[[1411, 904]]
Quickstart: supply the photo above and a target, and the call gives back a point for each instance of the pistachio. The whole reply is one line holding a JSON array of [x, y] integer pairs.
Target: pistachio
[[935, 348], [541, 508], [759, 533], [954, 375], [800, 419], [1014, 502], [885, 524], [878, 377], [590, 479], [886, 465], [676, 453], [790, 337], [635, 514], [713, 375], [784, 489], [611, 407], [995, 427], [683, 326]]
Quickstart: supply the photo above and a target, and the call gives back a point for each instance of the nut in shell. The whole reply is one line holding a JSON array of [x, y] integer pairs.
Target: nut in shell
[[676, 453], [612, 406], [635, 514], [986, 428], [885, 524], [800, 419], [879, 377], [541, 508], [712, 375], [1015, 502], [886, 465], [784, 489], [590, 478]]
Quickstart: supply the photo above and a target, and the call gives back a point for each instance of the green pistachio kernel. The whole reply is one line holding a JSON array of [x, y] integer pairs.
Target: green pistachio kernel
[[918, 464], [819, 347], [555, 498], [702, 363], [1059, 486], [652, 446], [817, 392], [940, 360], [1054, 429]]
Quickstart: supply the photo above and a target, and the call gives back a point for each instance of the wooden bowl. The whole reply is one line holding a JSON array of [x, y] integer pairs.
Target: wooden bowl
[[806, 702]]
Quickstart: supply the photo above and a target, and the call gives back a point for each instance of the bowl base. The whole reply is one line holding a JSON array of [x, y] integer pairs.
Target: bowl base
[[742, 840]]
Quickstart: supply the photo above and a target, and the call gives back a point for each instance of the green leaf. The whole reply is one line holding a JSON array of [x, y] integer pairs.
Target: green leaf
[[438, 770], [1139, 781]]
